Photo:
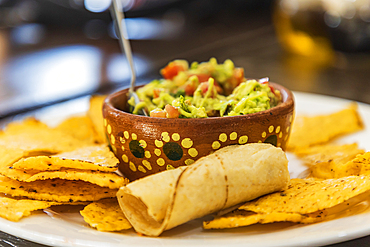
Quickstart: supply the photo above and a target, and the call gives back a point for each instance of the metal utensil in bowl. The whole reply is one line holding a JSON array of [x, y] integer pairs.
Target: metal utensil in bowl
[[118, 16]]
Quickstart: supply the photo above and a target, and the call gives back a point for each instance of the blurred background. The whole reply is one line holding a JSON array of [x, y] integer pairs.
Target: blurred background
[[55, 50], [55, 53]]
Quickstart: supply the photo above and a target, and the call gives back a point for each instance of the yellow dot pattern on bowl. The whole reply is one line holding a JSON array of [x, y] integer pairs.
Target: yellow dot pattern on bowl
[[277, 129], [157, 151], [175, 137], [109, 129], [160, 162], [141, 168], [280, 134], [169, 167], [105, 122], [147, 164], [222, 137], [193, 152], [112, 139], [264, 134], [187, 143], [158, 143], [287, 129], [189, 162], [147, 154], [134, 136], [243, 139], [271, 129], [123, 148], [126, 134], [124, 158], [216, 145], [165, 136], [233, 136], [122, 140], [142, 143], [132, 166]]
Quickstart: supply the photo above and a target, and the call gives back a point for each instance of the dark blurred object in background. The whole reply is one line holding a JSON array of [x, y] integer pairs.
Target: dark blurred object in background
[[317, 27]]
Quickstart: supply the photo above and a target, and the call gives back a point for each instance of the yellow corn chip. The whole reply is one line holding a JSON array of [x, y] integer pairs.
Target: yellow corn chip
[[105, 215], [14, 210], [103, 179], [331, 161], [31, 137], [17, 126], [57, 190], [305, 201], [95, 113], [64, 162], [308, 131], [79, 127], [94, 158], [362, 163], [305, 196], [241, 218]]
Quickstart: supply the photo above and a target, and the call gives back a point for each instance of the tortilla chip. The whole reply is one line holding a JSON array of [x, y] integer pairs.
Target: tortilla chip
[[14, 210], [57, 190], [103, 179], [32, 135], [105, 160], [308, 131], [306, 196], [16, 126], [79, 127], [362, 162], [105, 215], [30, 138], [305, 201], [95, 113], [331, 161], [239, 218], [94, 158]]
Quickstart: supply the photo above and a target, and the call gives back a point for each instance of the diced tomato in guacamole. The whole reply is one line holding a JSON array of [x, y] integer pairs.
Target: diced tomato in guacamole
[[207, 89]]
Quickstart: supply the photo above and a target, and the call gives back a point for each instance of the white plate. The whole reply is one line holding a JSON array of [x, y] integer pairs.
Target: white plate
[[68, 229]]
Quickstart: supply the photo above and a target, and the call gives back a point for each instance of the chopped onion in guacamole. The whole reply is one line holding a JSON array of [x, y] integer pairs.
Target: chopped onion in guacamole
[[204, 90]]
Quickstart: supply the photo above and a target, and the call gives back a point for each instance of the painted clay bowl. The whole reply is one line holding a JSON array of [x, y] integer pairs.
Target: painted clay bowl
[[147, 145]]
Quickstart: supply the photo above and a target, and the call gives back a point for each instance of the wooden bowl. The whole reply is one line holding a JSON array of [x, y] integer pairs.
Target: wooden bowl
[[147, 145]]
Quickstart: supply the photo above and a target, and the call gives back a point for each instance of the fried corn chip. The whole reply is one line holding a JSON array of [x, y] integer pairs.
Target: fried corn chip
[[331, 161], [32, 135], [361, 162], [103, 179], [79, 127], [96, 115], [94, 158], [17, 126], [240, 218], [14, 210], [57, 190], [63, 166], [305, 201], [30, 138], [305, 196], [105, 215], [308, 131]]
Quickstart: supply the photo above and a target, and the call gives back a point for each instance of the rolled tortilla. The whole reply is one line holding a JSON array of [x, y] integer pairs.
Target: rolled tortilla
[[229, 176]]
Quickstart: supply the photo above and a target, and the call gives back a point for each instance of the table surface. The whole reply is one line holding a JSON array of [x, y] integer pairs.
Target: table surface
[[64, 61]]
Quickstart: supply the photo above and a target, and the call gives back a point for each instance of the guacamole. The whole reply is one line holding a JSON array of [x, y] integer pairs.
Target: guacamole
[[204, 90]]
